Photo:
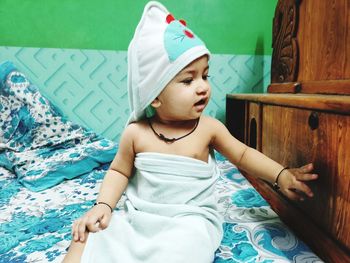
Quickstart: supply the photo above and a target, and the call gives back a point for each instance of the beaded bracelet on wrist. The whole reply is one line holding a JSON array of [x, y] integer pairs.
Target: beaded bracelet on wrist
[[275, 184], [103, 203]]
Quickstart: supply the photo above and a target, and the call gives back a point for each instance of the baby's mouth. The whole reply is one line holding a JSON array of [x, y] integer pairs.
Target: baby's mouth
[[200, 102]]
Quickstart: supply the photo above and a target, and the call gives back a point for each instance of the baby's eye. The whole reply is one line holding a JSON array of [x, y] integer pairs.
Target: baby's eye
[[187, 81], [205, 77]]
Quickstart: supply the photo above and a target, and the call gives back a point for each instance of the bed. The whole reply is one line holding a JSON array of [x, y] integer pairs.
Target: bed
[[51, 170]]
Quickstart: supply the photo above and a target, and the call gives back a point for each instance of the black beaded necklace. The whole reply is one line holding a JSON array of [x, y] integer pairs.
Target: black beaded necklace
[[171, 140]]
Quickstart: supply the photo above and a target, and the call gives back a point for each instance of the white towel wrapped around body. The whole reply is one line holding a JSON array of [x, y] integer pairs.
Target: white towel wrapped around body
[[170, 214]]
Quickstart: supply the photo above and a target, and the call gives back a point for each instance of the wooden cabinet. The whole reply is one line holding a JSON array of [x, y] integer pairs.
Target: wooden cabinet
[[294, 125], [295, 130]]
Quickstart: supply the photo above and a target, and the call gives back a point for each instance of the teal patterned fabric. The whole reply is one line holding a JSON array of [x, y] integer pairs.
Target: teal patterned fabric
[[36, 143]]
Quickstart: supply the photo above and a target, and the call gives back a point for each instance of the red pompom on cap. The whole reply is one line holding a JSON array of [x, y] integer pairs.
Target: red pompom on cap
[[170, 18], [188, 33], [183, 22]]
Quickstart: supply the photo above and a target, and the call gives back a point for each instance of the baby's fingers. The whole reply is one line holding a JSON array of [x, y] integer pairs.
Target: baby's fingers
[[93, 224], [75, 229], [305, 177], [293, 195], [301, 187], [306, 168], [104, 222], [80, 230]]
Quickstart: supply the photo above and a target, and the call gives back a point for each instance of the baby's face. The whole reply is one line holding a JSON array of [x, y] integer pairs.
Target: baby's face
[[188, 93]]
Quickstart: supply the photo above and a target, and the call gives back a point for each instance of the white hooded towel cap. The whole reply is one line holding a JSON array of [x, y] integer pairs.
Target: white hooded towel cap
[[161, 47]]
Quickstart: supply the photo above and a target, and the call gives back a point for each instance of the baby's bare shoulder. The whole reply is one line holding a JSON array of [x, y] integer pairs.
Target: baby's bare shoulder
[[132, 129], [213, 127], [136, 126], [210, 122]]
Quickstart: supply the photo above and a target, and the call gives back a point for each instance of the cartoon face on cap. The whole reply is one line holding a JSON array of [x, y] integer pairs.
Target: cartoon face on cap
[[178, 38]]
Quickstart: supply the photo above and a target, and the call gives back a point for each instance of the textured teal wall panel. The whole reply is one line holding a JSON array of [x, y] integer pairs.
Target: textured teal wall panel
[[89, 86]]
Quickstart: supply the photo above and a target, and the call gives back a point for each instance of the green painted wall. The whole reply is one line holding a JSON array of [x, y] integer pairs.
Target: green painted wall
[[227, 26]]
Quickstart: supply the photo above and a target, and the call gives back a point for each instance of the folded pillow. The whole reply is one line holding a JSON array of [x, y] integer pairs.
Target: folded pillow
[[37, 143]]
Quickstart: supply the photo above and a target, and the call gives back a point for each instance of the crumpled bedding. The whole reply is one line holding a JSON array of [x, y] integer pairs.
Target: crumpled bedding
[[37, 143]]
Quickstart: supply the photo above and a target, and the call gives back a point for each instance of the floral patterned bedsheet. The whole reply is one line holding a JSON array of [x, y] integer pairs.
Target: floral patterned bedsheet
[[35, 226]]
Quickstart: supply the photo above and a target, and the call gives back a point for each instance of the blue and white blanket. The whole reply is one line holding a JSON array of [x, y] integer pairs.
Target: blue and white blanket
[[36, 143], [35, 225]]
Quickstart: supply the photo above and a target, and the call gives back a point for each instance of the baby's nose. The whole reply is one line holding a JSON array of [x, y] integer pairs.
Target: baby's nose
[[203, 88]]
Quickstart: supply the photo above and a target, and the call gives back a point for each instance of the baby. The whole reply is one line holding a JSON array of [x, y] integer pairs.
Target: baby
[[165, 161]]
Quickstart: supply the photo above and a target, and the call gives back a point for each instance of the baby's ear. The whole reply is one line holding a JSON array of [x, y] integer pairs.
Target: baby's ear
[[156, 103]]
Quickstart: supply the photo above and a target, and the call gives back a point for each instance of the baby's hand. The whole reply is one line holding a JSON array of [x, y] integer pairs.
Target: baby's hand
[[291, 182], [97, 218]]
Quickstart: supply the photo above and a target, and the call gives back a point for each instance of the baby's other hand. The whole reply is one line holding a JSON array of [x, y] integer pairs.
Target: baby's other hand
[[292, 182], [94, 220]]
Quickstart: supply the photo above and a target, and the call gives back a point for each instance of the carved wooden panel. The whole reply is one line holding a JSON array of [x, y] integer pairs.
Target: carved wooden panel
[[284, 66], [311, 51]]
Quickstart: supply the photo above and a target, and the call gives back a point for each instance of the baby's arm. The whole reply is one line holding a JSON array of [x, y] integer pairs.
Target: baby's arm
[[112, 188], [290, 181]]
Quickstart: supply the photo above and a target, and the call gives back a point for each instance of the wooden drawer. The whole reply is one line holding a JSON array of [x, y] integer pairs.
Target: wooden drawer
[[294, 137]]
